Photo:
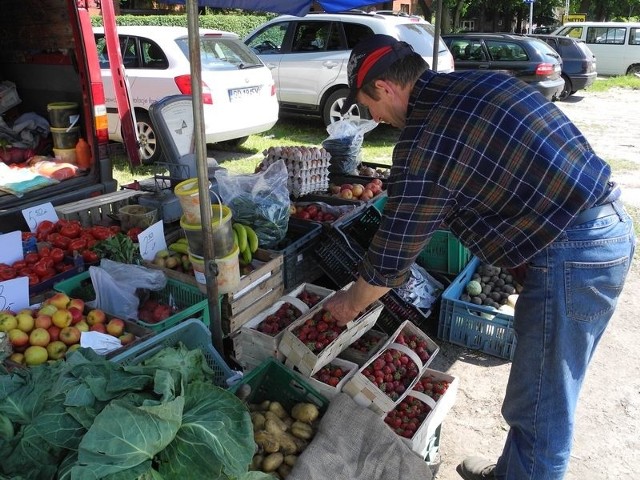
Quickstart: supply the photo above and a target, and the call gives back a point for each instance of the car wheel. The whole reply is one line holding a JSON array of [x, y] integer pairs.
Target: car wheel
[[150, 149], [634, 70], [566, 91], [334, 103]]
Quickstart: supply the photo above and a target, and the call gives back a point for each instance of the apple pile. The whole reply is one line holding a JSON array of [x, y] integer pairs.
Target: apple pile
[[318, 331], [54, 328], [357, 191], [409, 414], [311, 212]]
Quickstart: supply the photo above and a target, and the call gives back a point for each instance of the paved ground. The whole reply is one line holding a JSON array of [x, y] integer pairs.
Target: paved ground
[[606, 441]]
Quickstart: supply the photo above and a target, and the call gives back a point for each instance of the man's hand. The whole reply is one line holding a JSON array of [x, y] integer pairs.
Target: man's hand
[[346, 305]]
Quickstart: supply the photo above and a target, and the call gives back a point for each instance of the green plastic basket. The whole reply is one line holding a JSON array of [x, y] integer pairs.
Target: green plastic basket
[[444, 254], [271, 380], [191, 302]]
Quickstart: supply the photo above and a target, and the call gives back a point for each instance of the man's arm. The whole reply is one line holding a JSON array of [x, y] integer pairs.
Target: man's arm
[[346, 305]]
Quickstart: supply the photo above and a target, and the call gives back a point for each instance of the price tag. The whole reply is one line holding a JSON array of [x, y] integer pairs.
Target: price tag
[[152, 241], [11, 250], [14, 294], [34, 215]]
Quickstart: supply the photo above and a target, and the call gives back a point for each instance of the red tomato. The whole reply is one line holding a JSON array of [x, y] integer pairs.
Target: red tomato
[[57, 255], [77, 245], [44, 251], [40, 268], [71, 230], [44, 228], [19, 265], [7, 273], [33, 279], [25, 272], [31, 258], [89, 256]]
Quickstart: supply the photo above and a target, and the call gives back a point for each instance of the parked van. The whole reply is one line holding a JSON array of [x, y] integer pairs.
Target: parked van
[[49, 68], [616, 45]]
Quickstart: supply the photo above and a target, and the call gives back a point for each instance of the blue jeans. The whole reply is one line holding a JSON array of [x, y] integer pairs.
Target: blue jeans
[[569, 295]]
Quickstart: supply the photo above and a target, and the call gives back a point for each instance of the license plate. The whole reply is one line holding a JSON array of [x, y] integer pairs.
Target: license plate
[[241, 93]]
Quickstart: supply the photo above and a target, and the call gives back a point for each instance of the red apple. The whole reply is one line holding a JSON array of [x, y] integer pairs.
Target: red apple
[[96, 316], [70, 335], [115, 327], [18, 338], [54, 333], [346, 186], [76, 303], [98, 327], [334, 189], [347, 194], [43, 321], [76, 315], [127, 338]]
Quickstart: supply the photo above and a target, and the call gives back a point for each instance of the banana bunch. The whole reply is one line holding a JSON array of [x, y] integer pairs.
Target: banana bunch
[[246, 240], [180, 246]]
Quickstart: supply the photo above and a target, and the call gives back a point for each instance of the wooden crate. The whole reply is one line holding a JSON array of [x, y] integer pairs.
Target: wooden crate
[[99, 210], [252, 346], [256, 292], [298, 355]]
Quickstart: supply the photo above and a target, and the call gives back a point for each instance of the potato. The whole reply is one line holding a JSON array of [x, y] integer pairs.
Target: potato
[[278, 409], [284, 470], [302, 430], [256, 462], [258, 421], [288, 444], [271, 426], [275, 419], [305, 412], [272, 462], [266, 441], [290, 460]]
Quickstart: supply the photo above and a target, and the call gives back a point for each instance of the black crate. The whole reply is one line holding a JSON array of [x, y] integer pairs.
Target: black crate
[[298, 263], [339, 255]]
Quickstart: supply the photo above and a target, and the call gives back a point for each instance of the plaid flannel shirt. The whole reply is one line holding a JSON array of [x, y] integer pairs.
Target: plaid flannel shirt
[[489, 158]]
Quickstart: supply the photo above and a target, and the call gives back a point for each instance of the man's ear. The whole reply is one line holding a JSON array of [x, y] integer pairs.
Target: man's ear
[[384, 87]]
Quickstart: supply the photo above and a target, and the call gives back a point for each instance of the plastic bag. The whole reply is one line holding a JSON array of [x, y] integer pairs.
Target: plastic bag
[[116, 284], [260, 200], [344, 143], [421, 290]]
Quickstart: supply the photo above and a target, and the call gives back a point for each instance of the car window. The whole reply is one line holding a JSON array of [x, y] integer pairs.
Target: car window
[[129, 50], [311, 36], [634, 36], [269, 40], [609, 35], [503, 51], [573, 32], [101, 45], [466, 50], [355, 32], [152, 55], [420, 36], [219, 53]]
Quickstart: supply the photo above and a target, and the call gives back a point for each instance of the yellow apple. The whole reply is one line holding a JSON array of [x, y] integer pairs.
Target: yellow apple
[[17, 357], [357, 190], [73, 348], [40, 337], [56, 350], [70, 335], [62, 318], [127, 338], [96, 316], [47, 309], [115, 327], [26, 322], [18, 338], [82, 325], [59, 300], [35, 355], [7, 321]]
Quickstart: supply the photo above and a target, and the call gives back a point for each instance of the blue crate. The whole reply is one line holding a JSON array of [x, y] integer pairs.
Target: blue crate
[[474, 326], [192, 333]]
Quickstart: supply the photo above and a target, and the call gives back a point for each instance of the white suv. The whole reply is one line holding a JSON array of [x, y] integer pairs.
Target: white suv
[[308, 55], [238, 90]]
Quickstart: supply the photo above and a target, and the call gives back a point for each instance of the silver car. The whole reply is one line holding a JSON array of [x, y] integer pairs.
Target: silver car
[[308, 55]]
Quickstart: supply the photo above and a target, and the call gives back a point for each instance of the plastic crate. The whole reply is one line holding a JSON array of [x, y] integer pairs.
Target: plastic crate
[[339, 256], [194, 335], [100, 210], [299, 264], [187, 298], [8, 96], [444, 254], [474, 326], [271, 380]]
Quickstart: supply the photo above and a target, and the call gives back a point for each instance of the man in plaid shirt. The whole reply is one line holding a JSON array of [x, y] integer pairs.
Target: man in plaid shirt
[[489, 158]]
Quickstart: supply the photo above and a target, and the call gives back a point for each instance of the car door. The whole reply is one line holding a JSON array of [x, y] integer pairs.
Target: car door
[[468, 53], [269, 44]]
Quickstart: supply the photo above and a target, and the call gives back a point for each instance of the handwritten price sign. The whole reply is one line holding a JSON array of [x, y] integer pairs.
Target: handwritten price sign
[[34, 215]]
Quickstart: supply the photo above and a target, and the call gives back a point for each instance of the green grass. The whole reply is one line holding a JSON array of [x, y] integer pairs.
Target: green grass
[[624, 81]]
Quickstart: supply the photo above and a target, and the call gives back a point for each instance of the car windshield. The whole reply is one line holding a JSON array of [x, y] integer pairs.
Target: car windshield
[[217, 53], [420, 36]]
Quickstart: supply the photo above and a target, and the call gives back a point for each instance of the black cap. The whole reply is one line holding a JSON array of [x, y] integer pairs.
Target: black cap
[[369, 59]]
